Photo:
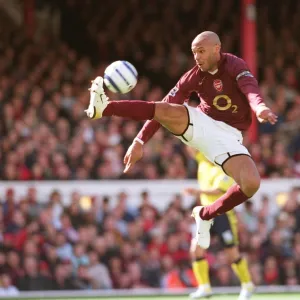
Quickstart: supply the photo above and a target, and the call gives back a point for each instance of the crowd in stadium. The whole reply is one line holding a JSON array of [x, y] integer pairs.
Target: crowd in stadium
[[44, 92], [46, 135], [61, 247]]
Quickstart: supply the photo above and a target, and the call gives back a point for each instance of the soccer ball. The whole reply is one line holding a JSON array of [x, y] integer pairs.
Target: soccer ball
[[120, 77]]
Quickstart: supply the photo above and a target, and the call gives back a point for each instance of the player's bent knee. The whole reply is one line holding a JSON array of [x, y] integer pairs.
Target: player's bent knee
[[251, 185]]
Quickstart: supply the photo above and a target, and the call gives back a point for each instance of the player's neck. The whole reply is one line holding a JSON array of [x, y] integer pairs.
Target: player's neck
[[214, 69]]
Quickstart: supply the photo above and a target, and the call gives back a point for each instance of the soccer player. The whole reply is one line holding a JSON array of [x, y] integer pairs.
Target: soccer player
[[213, 184], [228, 91]]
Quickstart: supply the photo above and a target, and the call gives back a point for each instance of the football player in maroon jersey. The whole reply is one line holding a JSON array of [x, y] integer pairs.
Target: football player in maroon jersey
[[228, 92]]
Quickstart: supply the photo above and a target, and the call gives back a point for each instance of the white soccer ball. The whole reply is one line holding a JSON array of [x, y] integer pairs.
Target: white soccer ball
[[120, 77]]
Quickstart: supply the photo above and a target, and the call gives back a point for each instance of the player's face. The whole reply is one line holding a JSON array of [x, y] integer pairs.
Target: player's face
[[205, 57]]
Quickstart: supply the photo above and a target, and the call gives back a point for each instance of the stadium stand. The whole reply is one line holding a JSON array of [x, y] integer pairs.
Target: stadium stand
[[45, 135], [43, 94], [56, 246]]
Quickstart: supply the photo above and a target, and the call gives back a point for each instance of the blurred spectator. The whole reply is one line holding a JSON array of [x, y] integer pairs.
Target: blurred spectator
[[79, 256], [83, 280], [180, 277], [224, 276], [43, 93], [249, 217], [32, 280], [6, 287], [14, 269], [67, 228], [62, 278], [2, 261], [98, 273], [145, 248], [151, 267], [64, 249], [271, 271]]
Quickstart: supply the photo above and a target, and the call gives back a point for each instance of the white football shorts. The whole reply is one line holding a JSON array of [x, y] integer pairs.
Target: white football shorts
[[217, 140]]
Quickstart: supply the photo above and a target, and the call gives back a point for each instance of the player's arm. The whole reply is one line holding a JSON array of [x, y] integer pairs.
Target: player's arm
[[248, 85]]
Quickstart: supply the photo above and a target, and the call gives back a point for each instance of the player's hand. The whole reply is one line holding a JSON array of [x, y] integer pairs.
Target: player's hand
[[191, 192], [266, 115], [133, 154]]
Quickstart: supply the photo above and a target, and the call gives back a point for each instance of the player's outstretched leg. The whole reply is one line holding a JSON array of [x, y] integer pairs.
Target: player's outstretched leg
[[101, 106], [172, 116]]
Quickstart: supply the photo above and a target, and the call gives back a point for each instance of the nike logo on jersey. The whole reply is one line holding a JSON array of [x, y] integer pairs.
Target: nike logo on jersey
[[201, 82]]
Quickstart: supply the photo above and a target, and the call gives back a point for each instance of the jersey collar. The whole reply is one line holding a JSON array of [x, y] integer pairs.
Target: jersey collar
[[213, 72]]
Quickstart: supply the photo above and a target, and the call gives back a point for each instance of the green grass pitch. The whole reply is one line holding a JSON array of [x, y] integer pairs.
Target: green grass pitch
[[216, 297]]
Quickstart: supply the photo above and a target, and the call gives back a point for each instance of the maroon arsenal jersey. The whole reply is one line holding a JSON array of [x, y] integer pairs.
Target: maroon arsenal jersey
[[227, 95]]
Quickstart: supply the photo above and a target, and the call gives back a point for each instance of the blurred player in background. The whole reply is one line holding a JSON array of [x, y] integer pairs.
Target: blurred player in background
[[227, 91], [214, 183]]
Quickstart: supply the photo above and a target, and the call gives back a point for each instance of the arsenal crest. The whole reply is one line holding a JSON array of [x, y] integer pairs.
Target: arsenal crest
[[218, 85]]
